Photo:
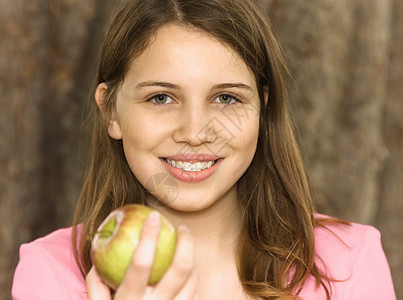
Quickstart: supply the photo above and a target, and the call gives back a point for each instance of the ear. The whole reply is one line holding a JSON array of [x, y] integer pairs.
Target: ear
[[114, 129], [266, 94]]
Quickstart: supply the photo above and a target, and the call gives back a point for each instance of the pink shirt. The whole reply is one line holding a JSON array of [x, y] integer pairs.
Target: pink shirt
[[47, 269]]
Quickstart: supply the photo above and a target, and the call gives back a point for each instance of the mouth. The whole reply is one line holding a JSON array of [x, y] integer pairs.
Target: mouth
[[192, 168], [189, 166]]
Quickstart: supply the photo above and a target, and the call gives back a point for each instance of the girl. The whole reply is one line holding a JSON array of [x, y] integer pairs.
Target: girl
[[191, 119]]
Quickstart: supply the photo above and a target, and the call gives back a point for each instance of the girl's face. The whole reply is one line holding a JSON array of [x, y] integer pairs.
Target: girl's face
[[188, 115]]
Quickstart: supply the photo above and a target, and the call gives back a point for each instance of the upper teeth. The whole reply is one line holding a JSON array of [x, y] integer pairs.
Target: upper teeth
[[189, 167]]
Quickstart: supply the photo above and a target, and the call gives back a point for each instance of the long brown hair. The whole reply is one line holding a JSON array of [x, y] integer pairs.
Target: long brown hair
[[276, 248]]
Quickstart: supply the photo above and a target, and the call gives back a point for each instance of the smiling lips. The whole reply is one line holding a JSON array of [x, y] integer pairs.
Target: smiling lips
[[191, 167]]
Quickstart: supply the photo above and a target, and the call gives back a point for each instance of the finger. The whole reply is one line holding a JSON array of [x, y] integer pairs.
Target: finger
[[176, 277], [188, 292], [138, 272], [97, 290]]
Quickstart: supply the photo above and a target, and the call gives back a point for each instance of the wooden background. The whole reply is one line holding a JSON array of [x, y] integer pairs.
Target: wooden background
[[346, 57]]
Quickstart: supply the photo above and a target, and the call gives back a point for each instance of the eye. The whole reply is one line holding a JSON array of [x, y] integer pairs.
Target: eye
[[226, 99], [161, 99]]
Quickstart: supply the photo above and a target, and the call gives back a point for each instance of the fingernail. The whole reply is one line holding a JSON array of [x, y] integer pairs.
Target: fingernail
[[153, 218], [183, 228]]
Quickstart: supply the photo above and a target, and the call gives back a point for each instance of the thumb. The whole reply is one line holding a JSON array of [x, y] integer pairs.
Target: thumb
[[97, 290]]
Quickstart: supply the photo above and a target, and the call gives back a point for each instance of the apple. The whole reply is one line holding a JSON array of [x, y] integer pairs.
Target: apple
[[117, 237]]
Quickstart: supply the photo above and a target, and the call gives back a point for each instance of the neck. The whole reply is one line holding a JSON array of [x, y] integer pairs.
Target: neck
[[216, 231], [216, 226]]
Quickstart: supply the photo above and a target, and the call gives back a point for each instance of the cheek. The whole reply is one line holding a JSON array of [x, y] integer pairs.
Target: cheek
[[247, 135], [244, 145], [250, 138], [249, 145], [141, 130], [140, 137]]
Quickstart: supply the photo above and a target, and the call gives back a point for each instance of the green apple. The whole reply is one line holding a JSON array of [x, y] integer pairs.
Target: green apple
[[117, 237]]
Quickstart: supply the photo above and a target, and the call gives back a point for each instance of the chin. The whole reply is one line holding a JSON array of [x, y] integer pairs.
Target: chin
[[182, 203], [184, 206], [190, 207]]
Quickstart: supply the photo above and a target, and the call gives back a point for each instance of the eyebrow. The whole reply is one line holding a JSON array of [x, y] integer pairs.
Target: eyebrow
[[175, 86], [232, 85], [157, 83]]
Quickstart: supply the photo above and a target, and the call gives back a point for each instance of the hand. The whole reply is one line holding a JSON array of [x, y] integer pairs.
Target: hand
[[179, 282]]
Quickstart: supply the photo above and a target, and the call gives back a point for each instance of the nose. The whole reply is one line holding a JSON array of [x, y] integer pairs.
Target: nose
[[195, 126]]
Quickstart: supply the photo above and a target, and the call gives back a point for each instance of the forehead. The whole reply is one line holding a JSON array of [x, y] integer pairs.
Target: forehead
[[179, 49]]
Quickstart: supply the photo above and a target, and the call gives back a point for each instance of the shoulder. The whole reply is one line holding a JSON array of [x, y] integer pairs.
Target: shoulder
[[343, 239], [47, 267], [352, 255], [54, 241]]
